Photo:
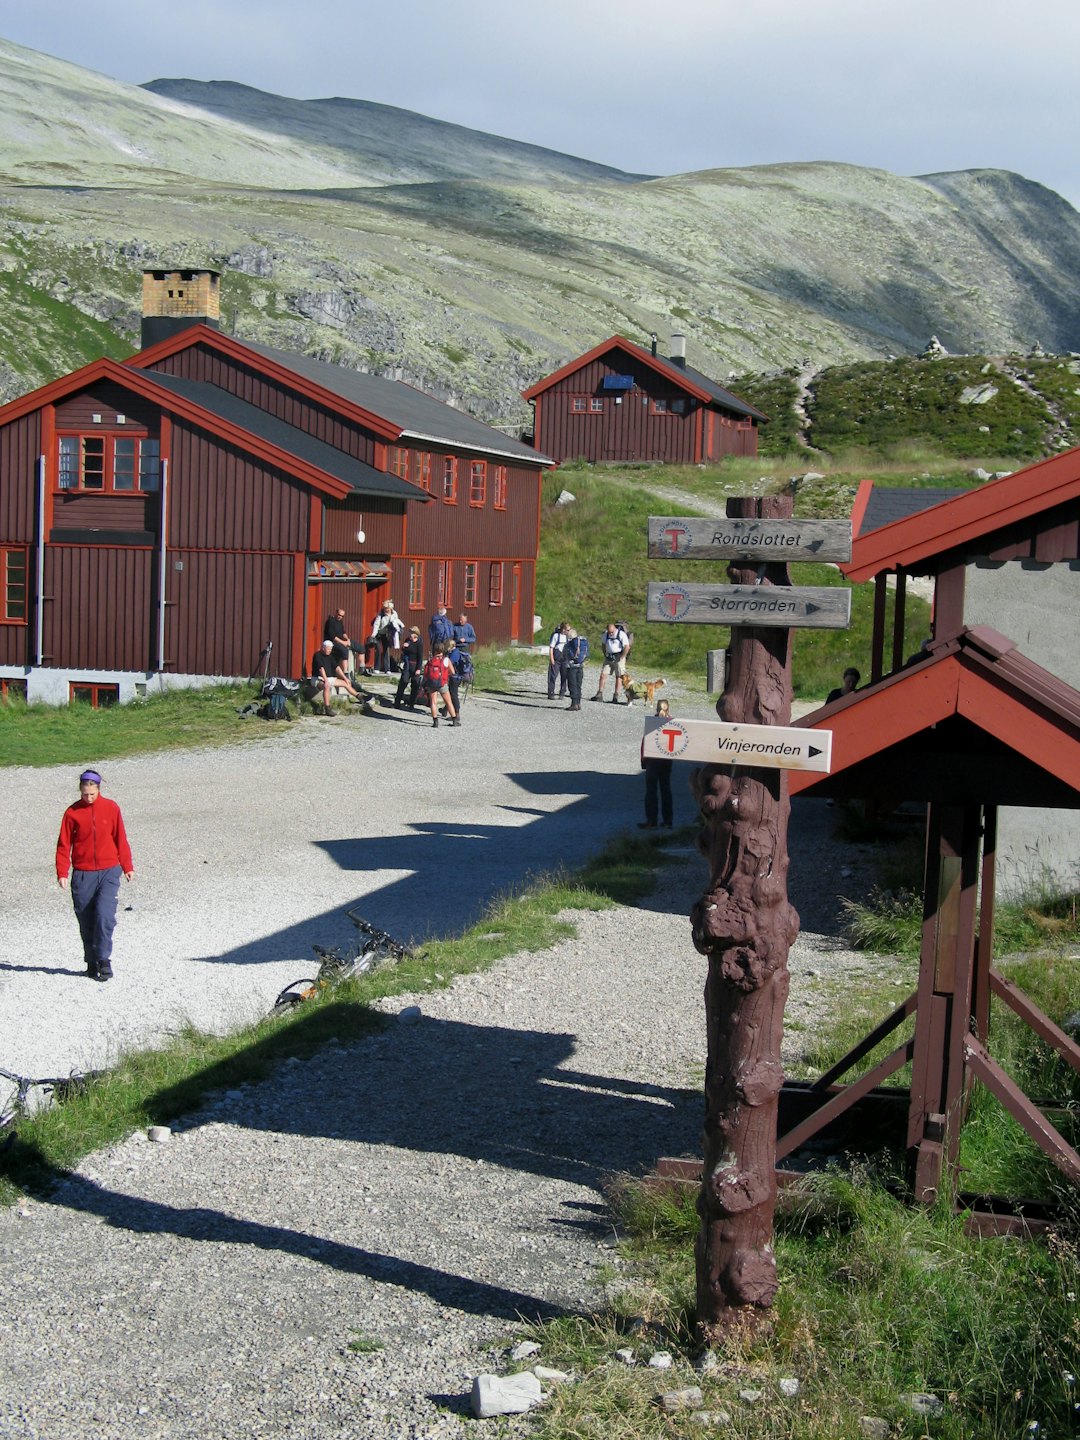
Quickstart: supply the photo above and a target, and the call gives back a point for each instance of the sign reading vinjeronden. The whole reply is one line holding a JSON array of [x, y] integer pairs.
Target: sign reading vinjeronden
[[713, 742]]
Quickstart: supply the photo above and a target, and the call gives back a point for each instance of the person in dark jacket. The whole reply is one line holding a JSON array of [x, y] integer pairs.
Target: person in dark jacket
[[658, 803], [91, 855], [412, 666]]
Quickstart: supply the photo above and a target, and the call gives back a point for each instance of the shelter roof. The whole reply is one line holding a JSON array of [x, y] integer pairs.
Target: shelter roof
[[972, 720], [1032, 513], [685, 378], [357, 474]]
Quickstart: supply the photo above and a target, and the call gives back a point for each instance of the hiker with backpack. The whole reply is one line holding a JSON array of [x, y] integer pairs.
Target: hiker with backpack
[[412, 669], [616, 647], [575, 653], [441, 629], [437, 673]]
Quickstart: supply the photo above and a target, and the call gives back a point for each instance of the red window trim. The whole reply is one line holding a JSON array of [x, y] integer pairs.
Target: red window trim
[[108, 440], [423, 469], [416, 584], [495, 584], [97, 690], [11, 685], [499, 499], [472, 566], [477, 483], [450, 468], [6, 551], [444, 575]]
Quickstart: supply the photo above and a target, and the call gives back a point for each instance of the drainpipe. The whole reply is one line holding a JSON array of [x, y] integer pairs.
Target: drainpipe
[[39, 648], [162, 547]]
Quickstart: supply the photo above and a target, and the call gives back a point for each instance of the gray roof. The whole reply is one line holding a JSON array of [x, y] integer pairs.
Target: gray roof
[[687, 372], [419, 416], [363, 478], [886, 505]]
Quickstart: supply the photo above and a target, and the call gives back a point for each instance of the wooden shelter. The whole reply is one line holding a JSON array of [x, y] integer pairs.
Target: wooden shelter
[[620, 401], [970, 726]]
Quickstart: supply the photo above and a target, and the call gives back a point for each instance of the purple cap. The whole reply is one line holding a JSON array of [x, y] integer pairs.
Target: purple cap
[[91, 775]]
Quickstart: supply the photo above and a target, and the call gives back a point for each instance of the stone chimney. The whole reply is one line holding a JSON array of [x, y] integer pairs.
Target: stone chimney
[[177, 299], [678, 350]]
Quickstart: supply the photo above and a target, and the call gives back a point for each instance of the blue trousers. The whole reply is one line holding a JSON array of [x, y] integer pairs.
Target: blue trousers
[[94, 894]]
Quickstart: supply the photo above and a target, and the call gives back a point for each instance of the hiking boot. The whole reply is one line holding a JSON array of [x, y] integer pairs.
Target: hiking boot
[[435, 723], [597, 696], [456, 720], [614, 699], [103, 973]]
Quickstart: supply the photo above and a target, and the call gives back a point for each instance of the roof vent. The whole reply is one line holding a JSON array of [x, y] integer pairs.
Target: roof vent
[[678, 350]]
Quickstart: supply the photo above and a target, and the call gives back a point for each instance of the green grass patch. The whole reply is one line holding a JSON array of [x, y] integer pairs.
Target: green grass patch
[[157, 1085], [76, 734], [876, 1302]]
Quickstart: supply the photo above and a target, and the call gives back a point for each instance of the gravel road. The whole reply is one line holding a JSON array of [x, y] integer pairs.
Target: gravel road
[[417, 1192]]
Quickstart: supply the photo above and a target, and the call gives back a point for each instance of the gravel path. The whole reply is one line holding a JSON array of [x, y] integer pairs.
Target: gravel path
[[417, 1192]]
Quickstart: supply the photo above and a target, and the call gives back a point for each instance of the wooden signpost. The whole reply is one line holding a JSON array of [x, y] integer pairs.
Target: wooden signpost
[[763, 540], [744, 923], [767, 747], [818, 607]]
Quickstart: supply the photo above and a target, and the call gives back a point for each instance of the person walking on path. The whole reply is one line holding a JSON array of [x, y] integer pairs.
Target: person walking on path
[[91, 854], [437, 674], [658, 805], [557, 661], [412, 663], [616, 647], [575, 654]]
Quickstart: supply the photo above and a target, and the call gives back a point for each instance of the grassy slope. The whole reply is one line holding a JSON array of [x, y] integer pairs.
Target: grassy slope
[[593, 568]]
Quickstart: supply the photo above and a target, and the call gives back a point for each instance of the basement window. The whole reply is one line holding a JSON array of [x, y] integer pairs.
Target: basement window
[[98, 697]]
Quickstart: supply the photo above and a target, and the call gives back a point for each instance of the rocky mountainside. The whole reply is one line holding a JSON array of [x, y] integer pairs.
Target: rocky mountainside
[[472, 265]]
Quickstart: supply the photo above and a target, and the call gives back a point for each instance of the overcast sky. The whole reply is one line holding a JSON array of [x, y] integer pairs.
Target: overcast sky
[[912, 86]]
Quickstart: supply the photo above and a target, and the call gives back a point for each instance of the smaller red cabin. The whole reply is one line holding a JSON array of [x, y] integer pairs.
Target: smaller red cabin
[[621, 402]]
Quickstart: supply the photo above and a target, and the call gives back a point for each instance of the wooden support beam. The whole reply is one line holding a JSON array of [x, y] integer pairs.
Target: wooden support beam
[[899, 610], [842, 1100], [868, 1043], [1032, 1016], [877, 639], [1026, 1114]]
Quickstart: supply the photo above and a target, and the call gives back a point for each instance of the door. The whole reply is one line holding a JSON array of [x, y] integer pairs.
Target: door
[[515, 603]]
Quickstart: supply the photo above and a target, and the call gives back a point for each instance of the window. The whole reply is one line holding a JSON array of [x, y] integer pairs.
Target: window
[[500, 487], [442, 584], [13, 585], [471, 571], [579, 404], [11, 689], [675, 406], [416, 584], [449, 479], [495, 583], [98, 697], [397, 461], [422, 469], [110, 464], [477, 482], [596, 405]]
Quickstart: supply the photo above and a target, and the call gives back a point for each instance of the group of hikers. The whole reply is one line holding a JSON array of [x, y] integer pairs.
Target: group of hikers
[[567, 653], [391, 649]]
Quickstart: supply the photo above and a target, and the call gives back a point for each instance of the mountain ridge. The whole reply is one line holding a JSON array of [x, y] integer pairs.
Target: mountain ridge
[[473, 285]]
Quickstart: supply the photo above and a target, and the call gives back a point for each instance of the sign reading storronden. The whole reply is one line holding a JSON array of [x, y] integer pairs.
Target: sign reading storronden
[[712, 742], [805, 606], [684, 538]]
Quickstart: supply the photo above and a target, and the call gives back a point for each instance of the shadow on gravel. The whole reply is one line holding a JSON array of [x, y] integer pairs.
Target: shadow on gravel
[[454, 871], [489, 1094]]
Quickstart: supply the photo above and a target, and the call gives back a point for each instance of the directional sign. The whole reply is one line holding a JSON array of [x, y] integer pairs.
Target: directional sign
[[806, 606], [712, 742], [762, 540]]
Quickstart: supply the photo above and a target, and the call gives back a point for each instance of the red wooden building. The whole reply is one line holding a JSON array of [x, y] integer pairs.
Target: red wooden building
[[171, 516], [620, 401]]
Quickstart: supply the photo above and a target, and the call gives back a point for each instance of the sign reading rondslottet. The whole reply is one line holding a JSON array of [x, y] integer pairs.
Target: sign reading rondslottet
[[716, 742]]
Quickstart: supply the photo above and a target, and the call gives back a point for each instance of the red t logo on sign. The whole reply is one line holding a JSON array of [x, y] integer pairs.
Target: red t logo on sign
[[671, 736], [671, 601], [673, 537]]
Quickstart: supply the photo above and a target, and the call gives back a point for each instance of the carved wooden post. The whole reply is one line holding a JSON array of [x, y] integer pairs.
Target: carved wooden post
[[745, 925]]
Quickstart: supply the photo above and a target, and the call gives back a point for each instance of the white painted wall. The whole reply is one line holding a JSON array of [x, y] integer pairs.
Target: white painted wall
[[1039, 608]]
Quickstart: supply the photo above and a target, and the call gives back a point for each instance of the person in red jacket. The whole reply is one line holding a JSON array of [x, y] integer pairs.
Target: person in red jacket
[[92, 852]]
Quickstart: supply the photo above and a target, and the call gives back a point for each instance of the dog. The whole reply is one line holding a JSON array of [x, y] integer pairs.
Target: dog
[[641, 689]]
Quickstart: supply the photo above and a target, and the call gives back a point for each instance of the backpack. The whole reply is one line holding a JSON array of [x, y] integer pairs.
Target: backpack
[[277, 706], [577, 650], [435, 673], [440, 630], [629, 634]]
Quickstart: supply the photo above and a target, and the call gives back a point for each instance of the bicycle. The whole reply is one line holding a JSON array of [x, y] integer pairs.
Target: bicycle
[[17, 1104], [375, 947]]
